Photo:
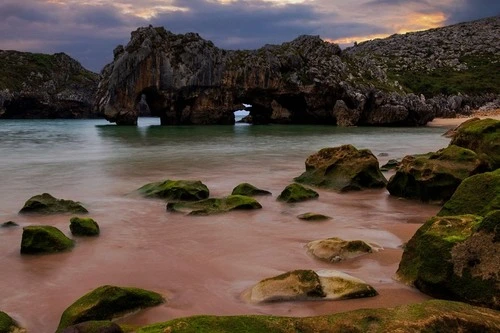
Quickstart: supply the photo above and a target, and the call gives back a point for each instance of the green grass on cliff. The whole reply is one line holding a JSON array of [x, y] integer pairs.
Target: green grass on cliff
[[16, 67], [481, 76]]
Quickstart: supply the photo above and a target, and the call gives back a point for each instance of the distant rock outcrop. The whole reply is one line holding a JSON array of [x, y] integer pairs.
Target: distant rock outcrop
[[402, 80], [34, 85]]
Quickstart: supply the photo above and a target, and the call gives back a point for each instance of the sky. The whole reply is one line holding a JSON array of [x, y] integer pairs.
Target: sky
[[89, 30]]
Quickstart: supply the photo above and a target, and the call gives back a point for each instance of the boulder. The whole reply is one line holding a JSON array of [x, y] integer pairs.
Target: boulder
[[336, 249], [249, 190], [96, 326], [313, 217], [429, 316], [296, 193], [176, 190], [47, 204], [455, 257], [310, 285], [83, 226], [434, 176], [44, 239], [390, 165], [214, 205], [9, 224], [343, 168], [477, 195], [481, 136], [9, 325], [106, 303]]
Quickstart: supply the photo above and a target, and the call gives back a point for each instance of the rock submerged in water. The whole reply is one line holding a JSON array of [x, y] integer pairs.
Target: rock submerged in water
[[214, 205], [9, 325], [178, 190], [83, 226], [456, 257], [249, 190], [106, 303], [39, 239], [310, 285], [313, 217], [297, 193], [9, 224], [47, 204], [477, 195], [94, 326], [434, 176], [429, 316], [343, 168], [336, 249]]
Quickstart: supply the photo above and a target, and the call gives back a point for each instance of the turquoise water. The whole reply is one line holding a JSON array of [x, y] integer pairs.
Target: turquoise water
[[204, 263]]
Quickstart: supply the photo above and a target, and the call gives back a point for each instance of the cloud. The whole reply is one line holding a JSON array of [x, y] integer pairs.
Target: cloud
[[469, 10]]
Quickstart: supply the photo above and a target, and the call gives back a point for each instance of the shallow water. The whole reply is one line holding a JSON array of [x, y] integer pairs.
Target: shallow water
[[202, 264]]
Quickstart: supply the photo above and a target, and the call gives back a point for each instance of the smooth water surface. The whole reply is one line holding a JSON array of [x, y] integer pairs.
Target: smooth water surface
[[202, 264]]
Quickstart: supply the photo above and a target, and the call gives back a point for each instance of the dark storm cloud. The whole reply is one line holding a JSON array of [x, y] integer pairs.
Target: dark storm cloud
[[473, 9]]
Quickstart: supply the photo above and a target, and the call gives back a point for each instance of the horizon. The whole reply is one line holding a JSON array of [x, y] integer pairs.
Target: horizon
[[88, 31]]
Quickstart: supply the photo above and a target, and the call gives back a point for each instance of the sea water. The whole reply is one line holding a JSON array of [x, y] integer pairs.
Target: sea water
[[202, 264]]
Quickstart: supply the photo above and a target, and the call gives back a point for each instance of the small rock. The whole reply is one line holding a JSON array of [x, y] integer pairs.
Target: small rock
[[44, 239], [9, 224], [83, 226], [249, 190], [214, 205], [182, 190], [47, 204], [296, 193], [313, 217], [336, 249]]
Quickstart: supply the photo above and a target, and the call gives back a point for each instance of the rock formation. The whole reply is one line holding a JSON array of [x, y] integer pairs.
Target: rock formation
[[214, 205], [47, 204], [40, 239], [34, 85], [184, 79]]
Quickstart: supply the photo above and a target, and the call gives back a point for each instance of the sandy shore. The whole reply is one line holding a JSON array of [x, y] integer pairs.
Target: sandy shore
[[450, 122]]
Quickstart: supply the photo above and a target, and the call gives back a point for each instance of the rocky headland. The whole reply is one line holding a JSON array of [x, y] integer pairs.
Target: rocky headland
[[35, 85], [400, 80]]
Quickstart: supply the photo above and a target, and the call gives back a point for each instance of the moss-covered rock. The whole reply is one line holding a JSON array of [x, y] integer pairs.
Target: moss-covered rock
[[9, 224], [249, 190], [481, 136], [479, 195], [343, 168], [336, 249], [214, 205], [313, 217], [83, 226], [310, 285], [95, 326], [176, 190], [108, 302], [430, 316], [44, 239], [9, 325], [390, 165], [47, 204], [434, 176], [296, 193], [455, 257]]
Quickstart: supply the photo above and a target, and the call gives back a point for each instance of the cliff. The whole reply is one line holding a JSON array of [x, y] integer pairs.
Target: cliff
[[34, 85], [184, 79]]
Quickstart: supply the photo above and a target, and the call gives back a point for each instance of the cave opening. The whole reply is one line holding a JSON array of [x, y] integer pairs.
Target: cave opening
[[151, 103]]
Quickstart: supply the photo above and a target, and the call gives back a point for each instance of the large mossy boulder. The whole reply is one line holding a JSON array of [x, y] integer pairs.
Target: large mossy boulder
[[47, 204], [176, 190], [106, 303], [335, 249], [9, 325], [481, 136], [477, 195], [434, 176], [94, 326], [83, 226], [429, 316], [310, 285], [39, 239], [249, 190], [297, 193], [214, 205], [456, 257], [343, 168]]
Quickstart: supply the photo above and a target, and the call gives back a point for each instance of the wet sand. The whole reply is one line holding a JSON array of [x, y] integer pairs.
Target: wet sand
[[453, 122]]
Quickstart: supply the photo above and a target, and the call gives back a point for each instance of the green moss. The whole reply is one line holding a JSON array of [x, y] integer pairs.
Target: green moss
[[249, 190], [83, 226], [491, 224], [478, 195], [96, 326], [106, 303], [44, 239], [296, 193], [430, 316], [184, 190], [215, 205], [6, 323], [47, 204], [313, 217]]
